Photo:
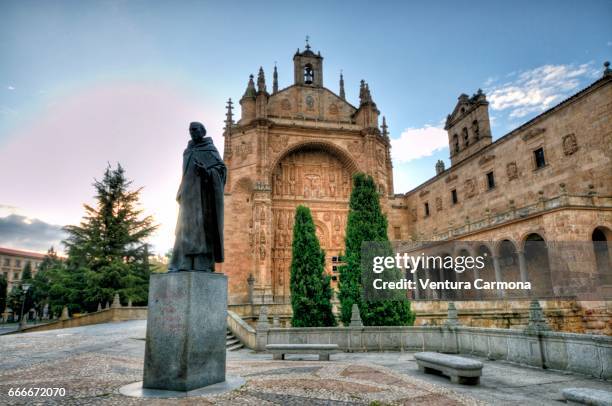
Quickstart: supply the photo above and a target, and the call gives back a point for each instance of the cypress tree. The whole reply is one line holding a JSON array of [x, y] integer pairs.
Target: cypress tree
[[311, 292], [366, 222]]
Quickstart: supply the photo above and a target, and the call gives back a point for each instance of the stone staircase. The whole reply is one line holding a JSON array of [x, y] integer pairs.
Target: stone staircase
[[231, 342]]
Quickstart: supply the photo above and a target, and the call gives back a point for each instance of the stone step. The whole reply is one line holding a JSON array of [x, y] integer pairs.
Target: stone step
[[235, 347], [232, 342]]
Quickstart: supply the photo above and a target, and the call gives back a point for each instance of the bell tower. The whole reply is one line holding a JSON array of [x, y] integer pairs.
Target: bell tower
[[308, 67]]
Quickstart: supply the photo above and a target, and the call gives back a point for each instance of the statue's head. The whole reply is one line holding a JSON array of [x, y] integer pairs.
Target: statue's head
[[197, 131]]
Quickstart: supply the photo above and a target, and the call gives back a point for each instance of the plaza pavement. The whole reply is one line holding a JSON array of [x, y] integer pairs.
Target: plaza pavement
[[93, 362]]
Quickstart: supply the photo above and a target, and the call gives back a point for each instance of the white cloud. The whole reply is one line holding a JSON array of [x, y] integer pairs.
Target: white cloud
[[610, 43], [538, 89], [11, 88], [415, 143]]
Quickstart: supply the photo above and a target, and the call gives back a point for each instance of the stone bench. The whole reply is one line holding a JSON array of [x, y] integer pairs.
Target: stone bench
[[324, 350], [458, 369], [587, 396]]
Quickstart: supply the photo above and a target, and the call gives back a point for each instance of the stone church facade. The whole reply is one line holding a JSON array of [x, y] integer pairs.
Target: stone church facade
[[548, 180]]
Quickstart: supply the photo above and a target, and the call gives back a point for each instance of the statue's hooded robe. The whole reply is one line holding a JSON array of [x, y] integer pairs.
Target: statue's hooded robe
[[199, 228]]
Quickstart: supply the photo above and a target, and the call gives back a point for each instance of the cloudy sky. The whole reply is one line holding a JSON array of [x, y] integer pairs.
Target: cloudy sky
[[83, 84]]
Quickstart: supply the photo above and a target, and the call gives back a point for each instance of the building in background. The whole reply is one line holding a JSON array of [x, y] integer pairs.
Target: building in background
[[13, 262]]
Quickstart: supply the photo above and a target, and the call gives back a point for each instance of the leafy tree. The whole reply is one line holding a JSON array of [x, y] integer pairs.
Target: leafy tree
[[311, 292], [107, 252], [366, 222]]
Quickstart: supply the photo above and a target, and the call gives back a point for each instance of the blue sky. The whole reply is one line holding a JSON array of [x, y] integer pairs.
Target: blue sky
[[86, 83]]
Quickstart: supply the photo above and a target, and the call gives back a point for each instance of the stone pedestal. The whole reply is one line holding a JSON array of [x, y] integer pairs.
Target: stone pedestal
[[186, 327]]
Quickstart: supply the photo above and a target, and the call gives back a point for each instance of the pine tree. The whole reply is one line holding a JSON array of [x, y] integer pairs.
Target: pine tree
[[107, 252], [366, 222], [311, 292]]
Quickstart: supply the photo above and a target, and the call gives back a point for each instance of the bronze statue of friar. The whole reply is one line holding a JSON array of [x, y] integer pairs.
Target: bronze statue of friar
[[199, 228]]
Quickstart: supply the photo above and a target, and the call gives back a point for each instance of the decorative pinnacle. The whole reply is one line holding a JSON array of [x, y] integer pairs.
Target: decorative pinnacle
[[307, 43], [384, 127], [607, 70], [250, 90], [342, 94], [275, 79], [229, 117], [261, 80]]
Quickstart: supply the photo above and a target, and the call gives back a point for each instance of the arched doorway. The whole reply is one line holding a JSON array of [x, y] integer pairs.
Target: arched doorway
[[318, 176], [509, 265], [601, 238], [537, 266]]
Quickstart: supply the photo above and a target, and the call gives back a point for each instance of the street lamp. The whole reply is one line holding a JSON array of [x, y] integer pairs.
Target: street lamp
[[25, 287]]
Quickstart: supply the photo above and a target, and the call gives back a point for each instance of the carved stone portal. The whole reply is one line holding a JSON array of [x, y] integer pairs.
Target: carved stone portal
[[319, 180]]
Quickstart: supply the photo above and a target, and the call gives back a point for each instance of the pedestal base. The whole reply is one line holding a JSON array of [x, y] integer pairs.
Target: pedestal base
[[186, 327], [137, 391]]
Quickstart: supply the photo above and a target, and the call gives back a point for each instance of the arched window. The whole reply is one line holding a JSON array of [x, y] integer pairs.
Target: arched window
[[466, 140], [475, 130], [601, 244], [456, 142], [308, 74]]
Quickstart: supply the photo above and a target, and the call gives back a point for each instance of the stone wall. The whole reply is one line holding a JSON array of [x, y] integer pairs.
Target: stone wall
[[578, 353], [103, 316], [571, 316]]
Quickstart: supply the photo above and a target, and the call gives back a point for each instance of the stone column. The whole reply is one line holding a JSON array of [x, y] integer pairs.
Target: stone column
[[251, 283], [186, 329], [355, 330], [523, 269], [498, 276], [537, 320], [522, 265], [452, 318], [261, 329]]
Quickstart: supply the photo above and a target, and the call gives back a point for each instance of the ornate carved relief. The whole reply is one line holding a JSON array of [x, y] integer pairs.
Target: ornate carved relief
[[311, 175], [512, 170], [423, 193], [310, 102], [439, 203], [534, 132], [286, 105], [243, 150], [278, 142], [333, 109], [380, 157], [470, 188], [570, 144], [355, 147], [450, 178], [315, 178], [485, 159]]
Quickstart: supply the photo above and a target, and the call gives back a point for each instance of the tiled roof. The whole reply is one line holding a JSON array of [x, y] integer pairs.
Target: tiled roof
[[20, 253]]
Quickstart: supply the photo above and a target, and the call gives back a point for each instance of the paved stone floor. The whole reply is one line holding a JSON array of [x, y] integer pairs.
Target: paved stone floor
[[93, 362]]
